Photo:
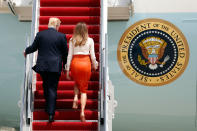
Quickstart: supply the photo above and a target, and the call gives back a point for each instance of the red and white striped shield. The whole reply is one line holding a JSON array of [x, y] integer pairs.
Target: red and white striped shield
[[152, 60]]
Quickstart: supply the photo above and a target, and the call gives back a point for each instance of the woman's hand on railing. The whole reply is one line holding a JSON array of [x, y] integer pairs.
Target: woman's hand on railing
[[95, 66]]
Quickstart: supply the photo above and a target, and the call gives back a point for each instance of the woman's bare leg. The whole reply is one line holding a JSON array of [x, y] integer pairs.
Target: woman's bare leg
[[75, 101], [83, 103]]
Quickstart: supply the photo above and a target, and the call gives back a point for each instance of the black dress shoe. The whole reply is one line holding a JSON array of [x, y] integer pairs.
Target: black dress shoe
[[51, 119]]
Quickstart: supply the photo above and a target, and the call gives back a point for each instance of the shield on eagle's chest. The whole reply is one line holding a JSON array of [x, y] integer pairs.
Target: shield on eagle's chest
[[152, 58]]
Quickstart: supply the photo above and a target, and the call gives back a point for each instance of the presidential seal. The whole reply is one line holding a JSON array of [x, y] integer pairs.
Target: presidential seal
[[153, 52]]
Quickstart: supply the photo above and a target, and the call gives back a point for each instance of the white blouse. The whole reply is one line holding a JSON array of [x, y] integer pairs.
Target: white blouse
[[87, 49]]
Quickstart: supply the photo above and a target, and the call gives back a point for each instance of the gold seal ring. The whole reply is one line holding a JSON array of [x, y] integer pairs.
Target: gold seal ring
[[153, 52]]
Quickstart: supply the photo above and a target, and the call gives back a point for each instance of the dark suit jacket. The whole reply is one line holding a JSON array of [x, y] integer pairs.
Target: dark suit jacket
[[52, 50]]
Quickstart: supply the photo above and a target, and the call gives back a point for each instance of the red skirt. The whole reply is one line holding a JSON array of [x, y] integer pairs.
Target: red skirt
[[81, 71]]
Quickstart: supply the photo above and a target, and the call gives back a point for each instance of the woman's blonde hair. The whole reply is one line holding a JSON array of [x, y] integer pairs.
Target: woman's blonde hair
[[53, 22], [80, 34]]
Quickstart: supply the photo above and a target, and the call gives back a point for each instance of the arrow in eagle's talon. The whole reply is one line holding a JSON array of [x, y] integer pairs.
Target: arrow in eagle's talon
[[161, 65], [165, 60]]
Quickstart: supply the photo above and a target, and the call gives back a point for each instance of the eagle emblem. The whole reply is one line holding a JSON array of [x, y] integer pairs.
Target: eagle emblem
[[153, 50]]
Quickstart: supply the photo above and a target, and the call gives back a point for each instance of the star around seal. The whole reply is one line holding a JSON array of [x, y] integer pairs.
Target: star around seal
[[153, 52]]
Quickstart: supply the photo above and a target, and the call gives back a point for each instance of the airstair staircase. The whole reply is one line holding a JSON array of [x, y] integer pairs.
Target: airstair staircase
[[33, 116]]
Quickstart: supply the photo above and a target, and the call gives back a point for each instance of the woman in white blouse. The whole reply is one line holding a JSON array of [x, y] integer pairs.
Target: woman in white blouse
[[81, 53]]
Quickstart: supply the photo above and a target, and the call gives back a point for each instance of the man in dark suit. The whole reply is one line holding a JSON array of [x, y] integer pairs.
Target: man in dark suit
[[52, 50]]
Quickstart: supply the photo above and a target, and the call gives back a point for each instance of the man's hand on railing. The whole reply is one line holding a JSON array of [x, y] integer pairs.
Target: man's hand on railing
[[24, 53]]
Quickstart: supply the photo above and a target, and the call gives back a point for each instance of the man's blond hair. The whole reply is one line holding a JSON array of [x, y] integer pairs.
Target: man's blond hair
[[53, 22]]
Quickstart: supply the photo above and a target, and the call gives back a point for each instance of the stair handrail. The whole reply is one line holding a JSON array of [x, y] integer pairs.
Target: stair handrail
[[24, 88], [27, 94], [34, 30], [103, 68]]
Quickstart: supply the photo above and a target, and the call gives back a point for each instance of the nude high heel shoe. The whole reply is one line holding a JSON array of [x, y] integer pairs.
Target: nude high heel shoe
[[82, 118], [75, 105]]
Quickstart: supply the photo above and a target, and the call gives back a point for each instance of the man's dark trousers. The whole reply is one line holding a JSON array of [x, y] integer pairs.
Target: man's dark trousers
[[50, 83]]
